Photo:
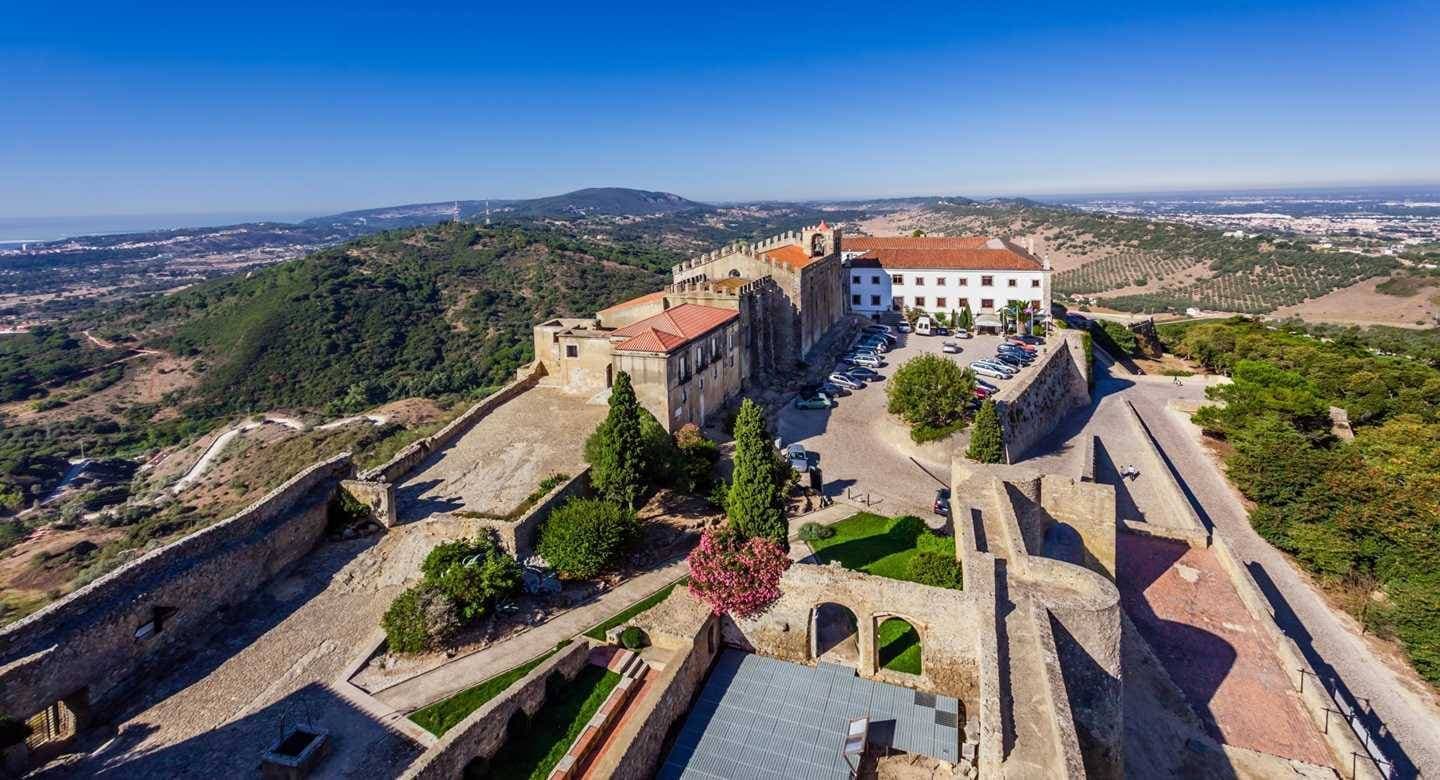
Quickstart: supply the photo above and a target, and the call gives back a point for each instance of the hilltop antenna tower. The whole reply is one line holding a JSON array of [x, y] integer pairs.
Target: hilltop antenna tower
[[487, 213], [455, 212]]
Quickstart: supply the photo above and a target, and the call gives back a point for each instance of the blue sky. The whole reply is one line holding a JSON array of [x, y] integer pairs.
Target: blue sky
[[114, 108]]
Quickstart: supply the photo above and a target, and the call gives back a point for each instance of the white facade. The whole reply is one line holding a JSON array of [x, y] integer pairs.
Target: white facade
[[873, 290]]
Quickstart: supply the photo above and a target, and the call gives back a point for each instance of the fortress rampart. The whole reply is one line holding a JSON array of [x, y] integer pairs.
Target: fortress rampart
[[1031, 408]]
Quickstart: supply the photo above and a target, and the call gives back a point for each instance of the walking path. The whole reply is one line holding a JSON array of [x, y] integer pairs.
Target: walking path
[[1330, 639], [462, 673]]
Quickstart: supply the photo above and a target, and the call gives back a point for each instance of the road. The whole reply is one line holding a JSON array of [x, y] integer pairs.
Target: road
[[1330, 639]]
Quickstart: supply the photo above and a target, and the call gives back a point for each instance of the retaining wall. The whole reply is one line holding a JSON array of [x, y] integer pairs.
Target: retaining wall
[[95, 644], [1179, 512], [407, 459], [1031, 407], [483, 732]]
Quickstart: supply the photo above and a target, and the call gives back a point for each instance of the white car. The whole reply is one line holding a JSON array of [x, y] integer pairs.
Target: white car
[[950, 347], [798, 458], [986, 370], [961, 333], [877, 345], [845, 380], [866, 360]]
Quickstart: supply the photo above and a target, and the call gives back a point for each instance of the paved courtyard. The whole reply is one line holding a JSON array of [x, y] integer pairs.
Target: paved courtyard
[[493, 466], [865, 454], [759, 717]]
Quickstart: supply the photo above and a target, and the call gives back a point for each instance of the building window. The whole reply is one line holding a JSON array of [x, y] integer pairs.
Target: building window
[[897, 303], [919, 281], [964, 281], [1034, 282], [919, 301], [854, 280], [987, 303], [572, 351], [855, 300], [1014, 283], [874, 279], [939, 281], [897, 278], [987, 281], [964, 303], [940, 303], [874, 300]]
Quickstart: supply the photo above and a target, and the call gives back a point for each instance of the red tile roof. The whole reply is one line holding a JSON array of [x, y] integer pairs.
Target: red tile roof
[[672, 328], [791, 256], [646, 298], [969, 253]]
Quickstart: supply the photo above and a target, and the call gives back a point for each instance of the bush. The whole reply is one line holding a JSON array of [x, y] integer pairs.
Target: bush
[[421, 618], [736, 575], [694, 461], [931, 391], [586, 537], [472, 573], [632, 638], [922, 434], [928, 568], [987, 441], [814, 532]]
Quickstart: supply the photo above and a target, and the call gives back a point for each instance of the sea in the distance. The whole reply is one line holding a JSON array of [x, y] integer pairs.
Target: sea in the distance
[[18, 230]]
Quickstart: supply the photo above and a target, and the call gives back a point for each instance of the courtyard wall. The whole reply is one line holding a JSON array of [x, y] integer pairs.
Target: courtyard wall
[[1032, 406], [91, 647]]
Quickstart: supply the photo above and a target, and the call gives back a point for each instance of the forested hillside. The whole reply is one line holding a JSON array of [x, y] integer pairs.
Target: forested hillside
[[1363, 515], [425, 311]]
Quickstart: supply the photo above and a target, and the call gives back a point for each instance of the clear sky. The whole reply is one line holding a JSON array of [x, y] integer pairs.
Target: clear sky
[[116, 107]]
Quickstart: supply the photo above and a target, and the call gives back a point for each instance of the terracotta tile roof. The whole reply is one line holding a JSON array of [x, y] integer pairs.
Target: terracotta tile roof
[[646, 298], [791, 256], [672, 328], [971, 253]]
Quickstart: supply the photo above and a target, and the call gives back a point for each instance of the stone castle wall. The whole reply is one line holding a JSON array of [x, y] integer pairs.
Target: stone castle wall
[[407, 459], [483, 732], [1031, 408], [95, 644]]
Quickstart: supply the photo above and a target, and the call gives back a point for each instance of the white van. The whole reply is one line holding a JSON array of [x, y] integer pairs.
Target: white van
[[923, 326]]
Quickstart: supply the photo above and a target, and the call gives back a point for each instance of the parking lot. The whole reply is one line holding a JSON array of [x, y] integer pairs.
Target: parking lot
[[864, 454]]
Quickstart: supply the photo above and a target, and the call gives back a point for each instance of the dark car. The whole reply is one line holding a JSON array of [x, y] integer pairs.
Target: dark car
[[1035, 340], [942, 502], [1010, 359]]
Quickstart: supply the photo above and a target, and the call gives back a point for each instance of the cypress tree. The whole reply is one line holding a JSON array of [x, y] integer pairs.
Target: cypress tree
[[756, 504], [616, 468], [987, 439]]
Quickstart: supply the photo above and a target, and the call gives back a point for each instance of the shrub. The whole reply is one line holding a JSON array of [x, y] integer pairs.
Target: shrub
[[987, 441], [616, 449], [421, 618], [736, 575], [694, 460], [473, 573], [586, 537], [922, 434], [929, 568], [345, 510], [929, 390], [814, 532], [632, 638]]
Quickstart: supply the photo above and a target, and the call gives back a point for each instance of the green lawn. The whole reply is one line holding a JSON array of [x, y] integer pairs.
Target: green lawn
[[441, 716], [899, 646], [598, 632], [882, 546], [567, 709]]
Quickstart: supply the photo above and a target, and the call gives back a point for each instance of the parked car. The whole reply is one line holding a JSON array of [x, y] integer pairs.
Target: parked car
[[816, 401], [1032, 339], [903, 327], [1000, 365], [798, 458], [878, 345], [860, 374], [833, 390], [939, 330], [1009, 360], [844, 380], [924, 326], [942, 502], [986, 385], [982, 392], [985, 369], [961, 333], [882, 331], [1017, 342], [1020, 355], [863, 359], [950, 347]]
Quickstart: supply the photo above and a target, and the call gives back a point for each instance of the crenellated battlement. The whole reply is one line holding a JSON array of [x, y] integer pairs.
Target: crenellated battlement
[[753, 250]]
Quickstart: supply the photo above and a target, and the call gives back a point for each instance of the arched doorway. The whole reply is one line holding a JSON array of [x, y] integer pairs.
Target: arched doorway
[[897, 645], [834, 634]]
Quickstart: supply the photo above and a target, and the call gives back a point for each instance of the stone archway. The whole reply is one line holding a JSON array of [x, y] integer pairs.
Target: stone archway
[[835, 634], [898, 644]]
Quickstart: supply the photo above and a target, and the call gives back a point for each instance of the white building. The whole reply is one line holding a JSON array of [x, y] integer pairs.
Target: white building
[[943, 275]]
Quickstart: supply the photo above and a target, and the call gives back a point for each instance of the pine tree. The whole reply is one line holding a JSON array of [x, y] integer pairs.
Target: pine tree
[[987, 440], [756, 504], [616, 467]]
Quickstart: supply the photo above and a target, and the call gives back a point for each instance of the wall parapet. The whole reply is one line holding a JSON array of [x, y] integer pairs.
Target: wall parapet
[[98, 637], [411, 456], [1032, 406], [518, 535], [1180, 512], [483, 732]]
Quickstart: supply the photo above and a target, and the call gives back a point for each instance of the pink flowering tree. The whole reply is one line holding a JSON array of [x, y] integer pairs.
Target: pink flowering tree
[[736, 575]]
